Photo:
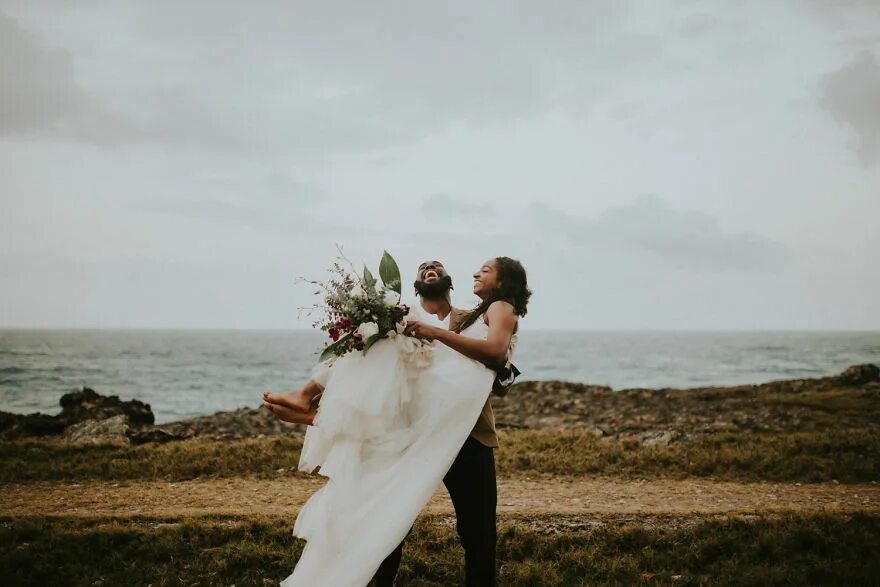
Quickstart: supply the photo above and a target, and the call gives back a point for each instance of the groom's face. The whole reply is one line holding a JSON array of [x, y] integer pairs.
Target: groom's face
[[431, 271], [432, 281]]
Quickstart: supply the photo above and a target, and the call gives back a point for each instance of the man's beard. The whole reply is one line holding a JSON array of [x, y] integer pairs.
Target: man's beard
[[434, 290]]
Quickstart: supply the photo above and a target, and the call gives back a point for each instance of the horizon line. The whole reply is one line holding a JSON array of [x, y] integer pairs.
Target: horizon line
[[540, 329]]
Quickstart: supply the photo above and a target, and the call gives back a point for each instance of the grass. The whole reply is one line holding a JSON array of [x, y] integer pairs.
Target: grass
[[846, 455], [761, 550], [36, 460], [827, 409]]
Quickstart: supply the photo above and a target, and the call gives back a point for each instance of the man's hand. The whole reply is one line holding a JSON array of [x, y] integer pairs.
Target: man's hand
[[421, 330]]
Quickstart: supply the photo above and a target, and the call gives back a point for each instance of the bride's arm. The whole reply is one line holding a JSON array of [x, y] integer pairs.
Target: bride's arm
[[492, 352]]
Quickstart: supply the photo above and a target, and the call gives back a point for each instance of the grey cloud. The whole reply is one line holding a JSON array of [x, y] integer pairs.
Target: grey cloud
[[37, 85], [862, 42], [697, 24], [853, 21], [728, 35], [272, 187], [262, 199], [851, 95], [444, 206], [847, 9], [289, 220], [353, 76], [313, 79], [39, 94], [685, 239]]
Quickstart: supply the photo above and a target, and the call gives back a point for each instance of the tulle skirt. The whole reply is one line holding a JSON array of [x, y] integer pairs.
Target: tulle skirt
[[388, 428]]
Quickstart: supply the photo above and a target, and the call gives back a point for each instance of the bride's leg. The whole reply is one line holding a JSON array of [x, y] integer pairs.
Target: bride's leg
[[295, 400], [300, 399], [288, 414]]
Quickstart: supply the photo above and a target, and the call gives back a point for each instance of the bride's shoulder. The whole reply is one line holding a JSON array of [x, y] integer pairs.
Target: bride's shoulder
[[501, 308]]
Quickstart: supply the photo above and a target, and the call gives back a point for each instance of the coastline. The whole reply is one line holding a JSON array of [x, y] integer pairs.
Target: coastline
[[650, 416]]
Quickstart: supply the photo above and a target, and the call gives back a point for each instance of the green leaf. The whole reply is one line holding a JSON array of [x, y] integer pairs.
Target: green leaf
[[330, 349], [371, 341], [369, 280], [389, 272]]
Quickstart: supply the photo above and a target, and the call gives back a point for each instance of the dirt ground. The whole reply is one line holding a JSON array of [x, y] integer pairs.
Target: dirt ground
[[285, 495]]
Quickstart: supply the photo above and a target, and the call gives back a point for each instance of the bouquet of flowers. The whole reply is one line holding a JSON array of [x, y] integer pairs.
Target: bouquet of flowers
[[357, 309]]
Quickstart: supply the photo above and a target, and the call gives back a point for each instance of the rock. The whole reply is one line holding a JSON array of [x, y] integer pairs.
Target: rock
[[90, 405], [109, 430], [240, 423], [658, 439], [145, 435], [76, 408], [18, 425], [860, 374]]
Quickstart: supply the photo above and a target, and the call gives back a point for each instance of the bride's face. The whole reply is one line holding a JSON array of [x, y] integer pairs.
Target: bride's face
[[486, 279]]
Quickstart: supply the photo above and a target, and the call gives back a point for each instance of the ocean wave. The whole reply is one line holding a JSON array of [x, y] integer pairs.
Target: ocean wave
[[12, 370], [27, 353]]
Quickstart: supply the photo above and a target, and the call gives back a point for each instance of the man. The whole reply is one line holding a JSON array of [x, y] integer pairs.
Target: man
[[470, 481]]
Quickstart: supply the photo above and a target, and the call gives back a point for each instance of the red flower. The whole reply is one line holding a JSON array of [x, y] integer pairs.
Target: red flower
[[344, 324], [334, 334]]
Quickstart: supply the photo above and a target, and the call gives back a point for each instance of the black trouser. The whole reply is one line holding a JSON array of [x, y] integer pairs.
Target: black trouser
[[472, 488]]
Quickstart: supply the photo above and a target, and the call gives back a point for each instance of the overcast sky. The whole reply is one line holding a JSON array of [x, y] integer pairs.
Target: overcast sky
[[684, 165]]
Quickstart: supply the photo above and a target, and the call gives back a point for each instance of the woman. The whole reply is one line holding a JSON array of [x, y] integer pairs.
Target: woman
[[378, 484]]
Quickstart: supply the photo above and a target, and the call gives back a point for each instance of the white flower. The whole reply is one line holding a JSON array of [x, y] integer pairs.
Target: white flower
[[357, 291], [367, 329], [391, 297]]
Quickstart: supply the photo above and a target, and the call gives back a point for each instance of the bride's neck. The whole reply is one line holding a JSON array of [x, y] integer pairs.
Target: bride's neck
[[439, 308]]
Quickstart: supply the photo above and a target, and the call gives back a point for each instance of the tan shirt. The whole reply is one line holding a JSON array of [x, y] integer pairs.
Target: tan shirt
[[484, 429]]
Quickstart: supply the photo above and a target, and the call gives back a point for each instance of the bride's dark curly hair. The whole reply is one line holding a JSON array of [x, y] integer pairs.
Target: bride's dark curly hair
[[513, 287]]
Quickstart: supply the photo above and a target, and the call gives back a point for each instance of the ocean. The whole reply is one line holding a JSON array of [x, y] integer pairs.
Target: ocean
[[184, 373]]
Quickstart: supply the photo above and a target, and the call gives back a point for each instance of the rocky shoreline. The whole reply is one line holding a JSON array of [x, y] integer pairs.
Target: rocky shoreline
[[648, 416], [661, 416]]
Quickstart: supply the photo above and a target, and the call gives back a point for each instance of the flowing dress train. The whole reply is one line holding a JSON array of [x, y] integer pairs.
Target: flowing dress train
[[388, 428]]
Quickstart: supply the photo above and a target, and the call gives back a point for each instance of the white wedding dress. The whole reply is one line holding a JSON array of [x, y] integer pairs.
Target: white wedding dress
[[389, 425]]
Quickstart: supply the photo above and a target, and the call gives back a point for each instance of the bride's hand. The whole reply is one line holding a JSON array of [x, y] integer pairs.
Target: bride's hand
[[421, 330]]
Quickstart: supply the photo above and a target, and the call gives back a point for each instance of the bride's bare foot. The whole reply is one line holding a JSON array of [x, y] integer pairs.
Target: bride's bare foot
[[290, 415], [296, 400]]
